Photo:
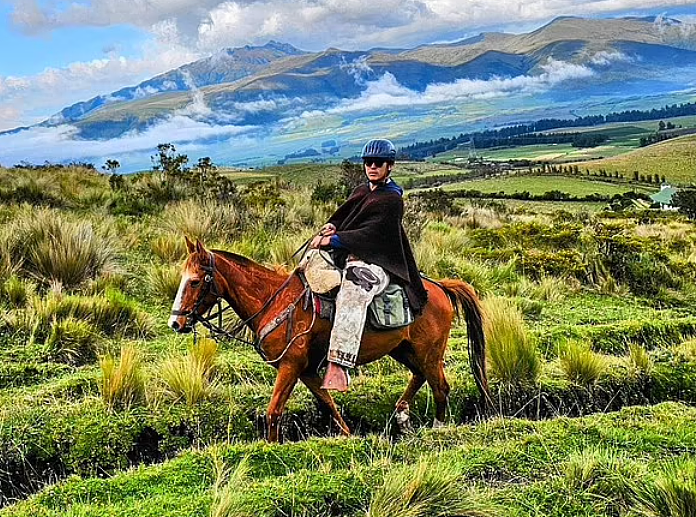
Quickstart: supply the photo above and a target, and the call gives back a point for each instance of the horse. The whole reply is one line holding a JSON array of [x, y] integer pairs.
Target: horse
[[290, 337]]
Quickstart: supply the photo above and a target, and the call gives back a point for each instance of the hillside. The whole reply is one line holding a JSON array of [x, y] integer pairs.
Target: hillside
[[675, 159]]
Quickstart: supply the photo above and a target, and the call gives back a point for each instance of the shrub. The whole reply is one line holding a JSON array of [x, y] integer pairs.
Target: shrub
[[512, 355], [580, 364], [164, 281], [430, 489], [71, 341], [124, 385]]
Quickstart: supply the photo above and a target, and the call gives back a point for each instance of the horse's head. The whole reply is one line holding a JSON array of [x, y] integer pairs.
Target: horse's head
[[197, 292]]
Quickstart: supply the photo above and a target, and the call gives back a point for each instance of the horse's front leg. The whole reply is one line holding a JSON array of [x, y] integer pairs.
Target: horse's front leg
[[285, 382]]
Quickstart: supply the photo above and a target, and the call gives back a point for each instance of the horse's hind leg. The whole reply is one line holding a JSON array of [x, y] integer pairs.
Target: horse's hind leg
[[404, 355], [324, 397], [435, 375]]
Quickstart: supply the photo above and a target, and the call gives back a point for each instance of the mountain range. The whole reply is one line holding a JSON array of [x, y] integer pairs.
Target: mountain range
[[263, 86]]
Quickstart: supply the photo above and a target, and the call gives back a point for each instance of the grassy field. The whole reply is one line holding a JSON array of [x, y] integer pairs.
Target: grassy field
[[540, 184], [675, 159], [591, 339]]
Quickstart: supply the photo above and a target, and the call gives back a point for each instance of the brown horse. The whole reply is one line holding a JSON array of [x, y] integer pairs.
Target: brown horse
[[295, 341]]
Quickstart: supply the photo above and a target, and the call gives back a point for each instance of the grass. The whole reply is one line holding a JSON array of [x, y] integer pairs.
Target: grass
[[512, 356], [122, 385], [54, 422], [537, 185], [580, 364], [675, 159]]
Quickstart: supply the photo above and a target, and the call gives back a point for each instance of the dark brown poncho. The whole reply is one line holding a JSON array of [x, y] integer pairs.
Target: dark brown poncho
[[369, 225]]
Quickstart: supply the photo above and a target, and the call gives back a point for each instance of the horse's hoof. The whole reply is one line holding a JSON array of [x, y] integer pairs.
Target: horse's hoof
[[403, 420]]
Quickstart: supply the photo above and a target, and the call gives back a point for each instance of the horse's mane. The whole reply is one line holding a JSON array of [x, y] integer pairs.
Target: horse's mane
[[244, 261]]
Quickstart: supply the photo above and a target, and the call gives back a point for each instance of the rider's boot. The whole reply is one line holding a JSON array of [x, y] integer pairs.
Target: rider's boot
[[336, 378]]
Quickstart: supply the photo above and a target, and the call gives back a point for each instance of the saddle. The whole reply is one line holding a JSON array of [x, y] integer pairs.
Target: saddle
[[388, 311]]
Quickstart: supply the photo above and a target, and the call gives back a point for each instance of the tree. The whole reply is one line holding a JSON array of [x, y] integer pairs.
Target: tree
[[685, 201], [111, 166], [166, 160]]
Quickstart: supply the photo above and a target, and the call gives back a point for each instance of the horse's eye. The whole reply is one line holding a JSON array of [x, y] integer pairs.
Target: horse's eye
[[195, 283]]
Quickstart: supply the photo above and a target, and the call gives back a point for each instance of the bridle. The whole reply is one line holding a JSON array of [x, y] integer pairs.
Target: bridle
[[217, 330]]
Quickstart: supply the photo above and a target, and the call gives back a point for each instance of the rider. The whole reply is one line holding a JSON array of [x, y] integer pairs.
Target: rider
[[367, 235]]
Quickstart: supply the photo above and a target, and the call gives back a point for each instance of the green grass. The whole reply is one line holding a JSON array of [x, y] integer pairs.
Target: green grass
[[675, 159], [526, 460], [540, 184]]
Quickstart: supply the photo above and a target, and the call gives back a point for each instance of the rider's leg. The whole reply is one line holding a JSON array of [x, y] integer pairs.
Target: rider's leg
[[360, 284]]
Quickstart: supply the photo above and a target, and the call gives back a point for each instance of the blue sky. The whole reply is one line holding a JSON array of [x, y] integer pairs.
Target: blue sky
[[64, 51]]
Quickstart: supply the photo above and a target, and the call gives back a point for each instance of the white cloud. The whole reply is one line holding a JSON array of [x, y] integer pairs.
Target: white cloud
[[58, 144], [388, 92]]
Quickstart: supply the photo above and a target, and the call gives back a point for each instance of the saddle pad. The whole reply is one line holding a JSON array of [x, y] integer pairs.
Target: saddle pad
[[390, 310]]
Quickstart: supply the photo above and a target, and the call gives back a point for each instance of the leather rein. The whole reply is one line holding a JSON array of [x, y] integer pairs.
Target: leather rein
[[217, 330]]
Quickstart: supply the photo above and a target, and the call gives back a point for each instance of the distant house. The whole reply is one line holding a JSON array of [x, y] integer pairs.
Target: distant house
[[664, 197]]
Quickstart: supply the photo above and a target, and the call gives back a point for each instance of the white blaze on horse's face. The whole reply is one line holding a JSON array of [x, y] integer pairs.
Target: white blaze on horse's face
[[177, 302]]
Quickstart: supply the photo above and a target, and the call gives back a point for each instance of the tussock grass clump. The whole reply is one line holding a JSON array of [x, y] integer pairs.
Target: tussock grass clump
[[512, 354], [122, 385], [168, 248], [281, 250], [17, 291], [55, 249], [226, 490], [429, 489], [111, 314], [164, 281], [580, 363], [207, 220], [687, 350], [671, 494], [639, 360], [72, 341], [190, 377]]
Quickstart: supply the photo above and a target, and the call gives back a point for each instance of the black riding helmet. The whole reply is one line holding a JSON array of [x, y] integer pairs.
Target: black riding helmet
[[379, 148]]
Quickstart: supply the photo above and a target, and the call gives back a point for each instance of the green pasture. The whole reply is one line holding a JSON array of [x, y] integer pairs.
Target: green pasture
[[675, 159], [591, 337], [540, 184]]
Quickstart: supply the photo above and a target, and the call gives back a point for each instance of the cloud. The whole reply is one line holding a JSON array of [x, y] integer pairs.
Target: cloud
[[59, 144], [387, 92], [311, 24]]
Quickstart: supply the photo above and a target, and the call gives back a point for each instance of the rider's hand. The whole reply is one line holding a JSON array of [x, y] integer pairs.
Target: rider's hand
[[319, 241], [328, 229]]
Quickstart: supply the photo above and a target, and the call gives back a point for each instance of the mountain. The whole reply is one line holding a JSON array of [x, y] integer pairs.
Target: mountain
[[567, 64]]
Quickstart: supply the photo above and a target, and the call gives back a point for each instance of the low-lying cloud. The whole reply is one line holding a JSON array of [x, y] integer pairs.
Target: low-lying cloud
[[387, 92]]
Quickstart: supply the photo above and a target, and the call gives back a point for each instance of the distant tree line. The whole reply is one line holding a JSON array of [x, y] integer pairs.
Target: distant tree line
[[491, 138]]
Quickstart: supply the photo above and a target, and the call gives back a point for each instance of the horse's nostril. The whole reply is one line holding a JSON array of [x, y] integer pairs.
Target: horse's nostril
[[175, 326]]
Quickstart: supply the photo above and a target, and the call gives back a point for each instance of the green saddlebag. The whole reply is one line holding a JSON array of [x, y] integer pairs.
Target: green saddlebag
[[390, 310]]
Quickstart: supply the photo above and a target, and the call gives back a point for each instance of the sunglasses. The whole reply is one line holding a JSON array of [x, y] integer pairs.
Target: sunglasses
[[377, 161]]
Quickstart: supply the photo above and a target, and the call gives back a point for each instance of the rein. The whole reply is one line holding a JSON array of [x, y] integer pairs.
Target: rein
[[217, 330]]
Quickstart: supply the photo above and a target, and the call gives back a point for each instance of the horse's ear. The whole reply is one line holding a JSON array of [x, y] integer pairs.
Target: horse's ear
[[189, 245], [199, 247]]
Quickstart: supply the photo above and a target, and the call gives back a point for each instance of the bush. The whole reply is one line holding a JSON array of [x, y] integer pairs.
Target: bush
[[124, 385], [512, 355], [16, 291], [580, 364]]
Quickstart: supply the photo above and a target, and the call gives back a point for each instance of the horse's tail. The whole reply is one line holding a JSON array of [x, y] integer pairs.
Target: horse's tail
[[464, 299]]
